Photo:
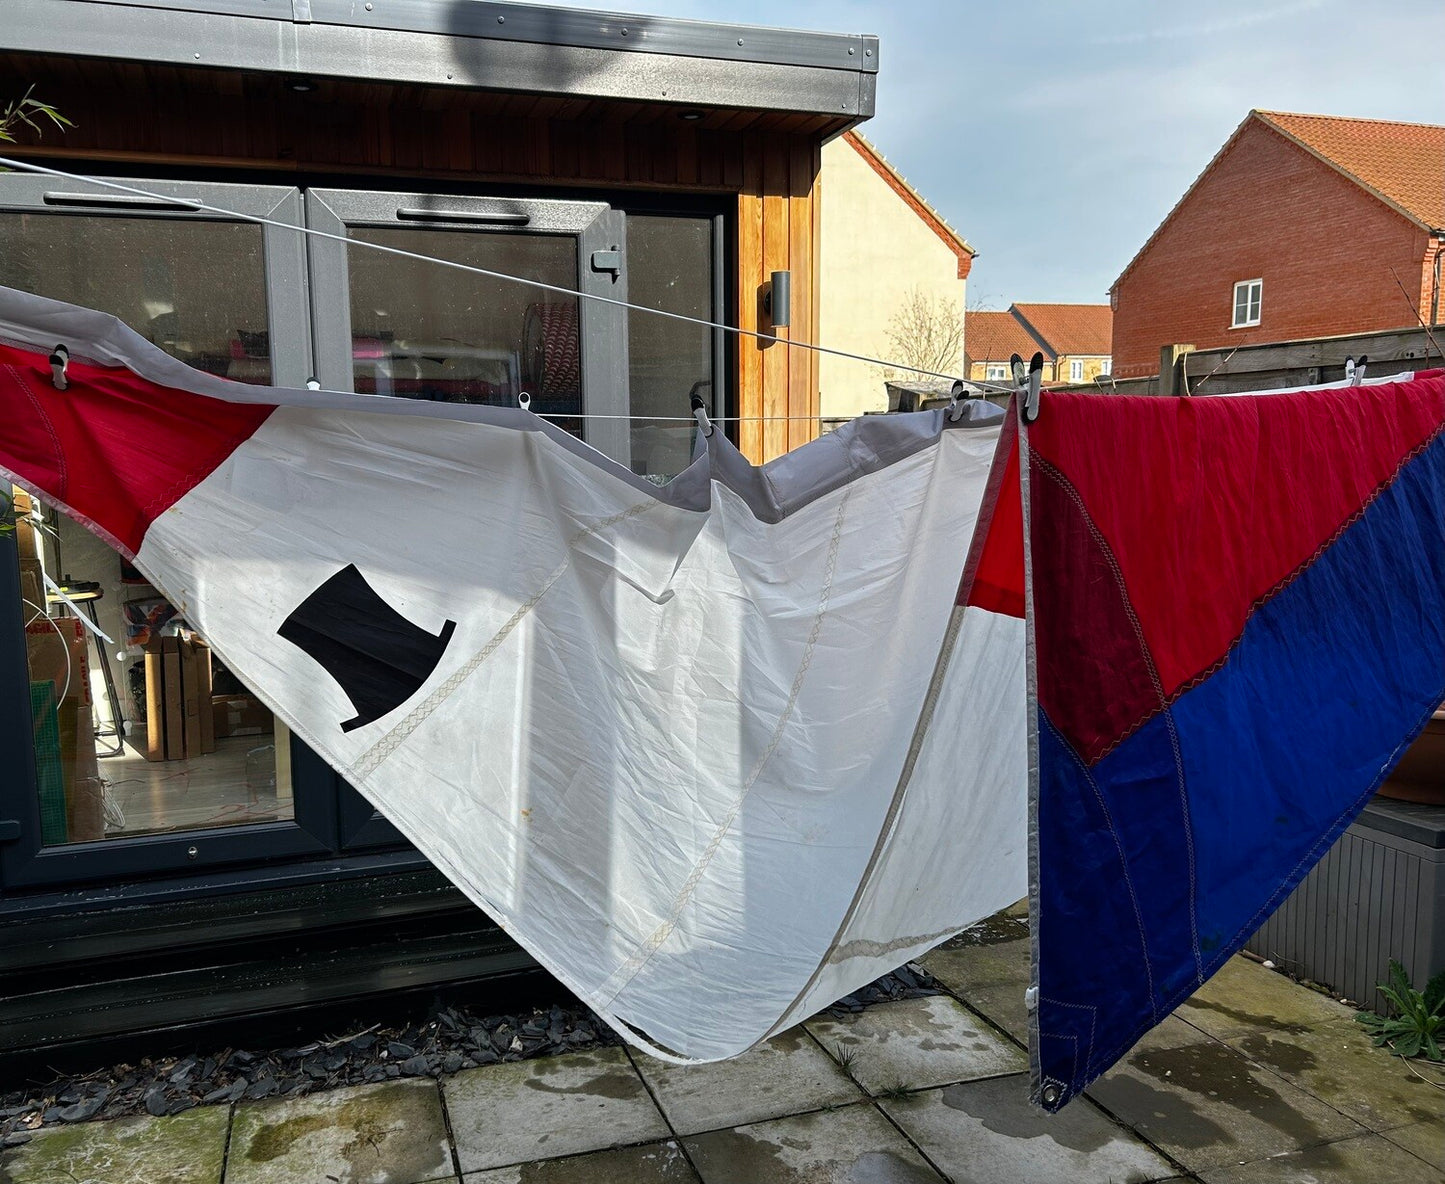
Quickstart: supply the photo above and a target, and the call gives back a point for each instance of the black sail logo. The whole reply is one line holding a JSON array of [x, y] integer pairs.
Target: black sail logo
[[378, 657]]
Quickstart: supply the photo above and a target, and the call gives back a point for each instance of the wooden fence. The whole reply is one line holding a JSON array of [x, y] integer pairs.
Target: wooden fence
[[1185, 370]]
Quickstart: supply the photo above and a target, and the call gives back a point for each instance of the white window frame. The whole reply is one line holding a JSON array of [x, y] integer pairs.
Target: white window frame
[[1076, 370], [1106, 367], [995, 372], [1253, 301]]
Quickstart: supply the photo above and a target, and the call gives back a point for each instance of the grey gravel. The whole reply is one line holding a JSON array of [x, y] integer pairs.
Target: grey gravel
[[452, 1040]]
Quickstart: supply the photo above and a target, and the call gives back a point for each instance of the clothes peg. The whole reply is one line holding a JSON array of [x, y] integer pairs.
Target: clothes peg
[[1016, 366], [524, 401], [59, 360], [699, 413], [955, 401], [1035, 384], [1356, 372]]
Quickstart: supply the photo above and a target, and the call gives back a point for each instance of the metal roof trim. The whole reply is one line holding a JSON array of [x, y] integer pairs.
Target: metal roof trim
[[578, 28]]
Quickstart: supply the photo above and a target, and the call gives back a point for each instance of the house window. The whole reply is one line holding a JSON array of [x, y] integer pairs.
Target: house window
[[1076, 371], [1248, 294], [1106, 367], [671, 263], [995, 372]]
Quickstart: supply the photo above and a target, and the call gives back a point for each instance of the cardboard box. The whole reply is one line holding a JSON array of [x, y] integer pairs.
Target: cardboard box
[[32, 587], [84, 790], [155, 745], [241, 715], [179, 722], [47, 642], [190, 700], [173, 700], [27, 541]]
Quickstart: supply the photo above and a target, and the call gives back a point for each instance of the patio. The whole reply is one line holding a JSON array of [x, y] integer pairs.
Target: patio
[[1255, 1079]]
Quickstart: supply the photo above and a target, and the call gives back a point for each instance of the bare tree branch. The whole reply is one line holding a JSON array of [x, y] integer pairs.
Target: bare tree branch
[[927, 332]]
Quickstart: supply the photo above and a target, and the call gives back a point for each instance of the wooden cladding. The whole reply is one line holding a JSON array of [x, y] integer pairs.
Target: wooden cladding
[[173, 118], [778, 231]]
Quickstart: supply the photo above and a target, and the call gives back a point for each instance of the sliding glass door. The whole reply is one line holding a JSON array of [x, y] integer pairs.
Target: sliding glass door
[[130, 747]]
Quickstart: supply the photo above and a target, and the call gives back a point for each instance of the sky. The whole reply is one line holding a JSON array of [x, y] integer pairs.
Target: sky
[[1056, 136]]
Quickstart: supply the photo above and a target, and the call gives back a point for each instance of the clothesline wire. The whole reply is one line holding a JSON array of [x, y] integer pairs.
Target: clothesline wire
[[204, 207], [688, 419]]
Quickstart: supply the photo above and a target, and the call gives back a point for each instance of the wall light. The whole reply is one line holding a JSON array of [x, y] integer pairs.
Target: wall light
[[777, 299]]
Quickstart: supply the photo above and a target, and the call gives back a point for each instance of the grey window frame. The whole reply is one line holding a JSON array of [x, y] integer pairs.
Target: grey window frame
[[597, 227], [287, 315], [24, 861]]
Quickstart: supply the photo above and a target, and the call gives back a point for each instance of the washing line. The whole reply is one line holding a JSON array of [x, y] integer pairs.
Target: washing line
[[205, 207]]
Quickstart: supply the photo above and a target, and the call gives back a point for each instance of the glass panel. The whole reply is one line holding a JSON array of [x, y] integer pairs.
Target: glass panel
[[1241, 303], [149, 733], [196, 289], [669, 266], [1255, 292], [419, 331], [129, 737]]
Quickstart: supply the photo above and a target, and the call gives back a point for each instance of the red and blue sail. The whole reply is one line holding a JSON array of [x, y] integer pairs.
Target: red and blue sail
[[1238, 610]]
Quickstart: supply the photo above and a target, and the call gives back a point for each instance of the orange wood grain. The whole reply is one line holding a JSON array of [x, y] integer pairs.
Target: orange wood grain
[[749, 269]]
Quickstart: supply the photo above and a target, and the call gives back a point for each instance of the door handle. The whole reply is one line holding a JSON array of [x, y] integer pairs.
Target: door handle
[[609, 260], [118, 201], [483, 217]]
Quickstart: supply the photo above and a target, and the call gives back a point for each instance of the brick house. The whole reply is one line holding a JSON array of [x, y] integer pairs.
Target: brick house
[[1298, 228], [1075, 339]]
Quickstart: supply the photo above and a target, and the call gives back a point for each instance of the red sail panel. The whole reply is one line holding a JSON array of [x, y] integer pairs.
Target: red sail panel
[[1239, 494], [113, 448], [994, 577]]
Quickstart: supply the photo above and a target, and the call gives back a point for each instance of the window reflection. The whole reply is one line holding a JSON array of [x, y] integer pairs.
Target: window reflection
[[423, 332], [670, 267], [196, 289], [148, 733]]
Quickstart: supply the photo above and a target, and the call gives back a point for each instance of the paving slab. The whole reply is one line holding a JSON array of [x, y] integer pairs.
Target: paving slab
[[1207, 1105], [852, 1145], [981, 1132], [989, 966], [1245, 997], [1337, 1063], [189, 1148], [916, 1044], [787, 1075], [1425, 1140], [391, 1133], [1368, 1160], [1171, 1033], [548, 1108], [655, 1163]]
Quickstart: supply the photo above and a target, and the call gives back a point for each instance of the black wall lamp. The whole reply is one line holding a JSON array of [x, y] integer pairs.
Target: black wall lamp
[[777, 299]]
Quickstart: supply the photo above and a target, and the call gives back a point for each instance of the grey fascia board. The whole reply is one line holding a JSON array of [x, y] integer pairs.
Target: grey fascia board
[[437, 42]]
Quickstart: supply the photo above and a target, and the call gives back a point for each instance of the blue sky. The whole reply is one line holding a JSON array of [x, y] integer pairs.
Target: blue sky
[[1056, 136]]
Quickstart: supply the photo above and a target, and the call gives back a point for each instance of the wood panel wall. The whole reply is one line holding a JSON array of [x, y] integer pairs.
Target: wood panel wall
[[181, 119]]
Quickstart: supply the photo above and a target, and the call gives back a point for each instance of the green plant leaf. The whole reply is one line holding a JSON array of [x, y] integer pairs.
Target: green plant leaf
[[1434, 994]]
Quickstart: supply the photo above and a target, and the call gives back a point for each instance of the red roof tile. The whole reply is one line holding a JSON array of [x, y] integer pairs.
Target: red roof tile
[[1402, 162], [1072, 329], [993, 336]]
